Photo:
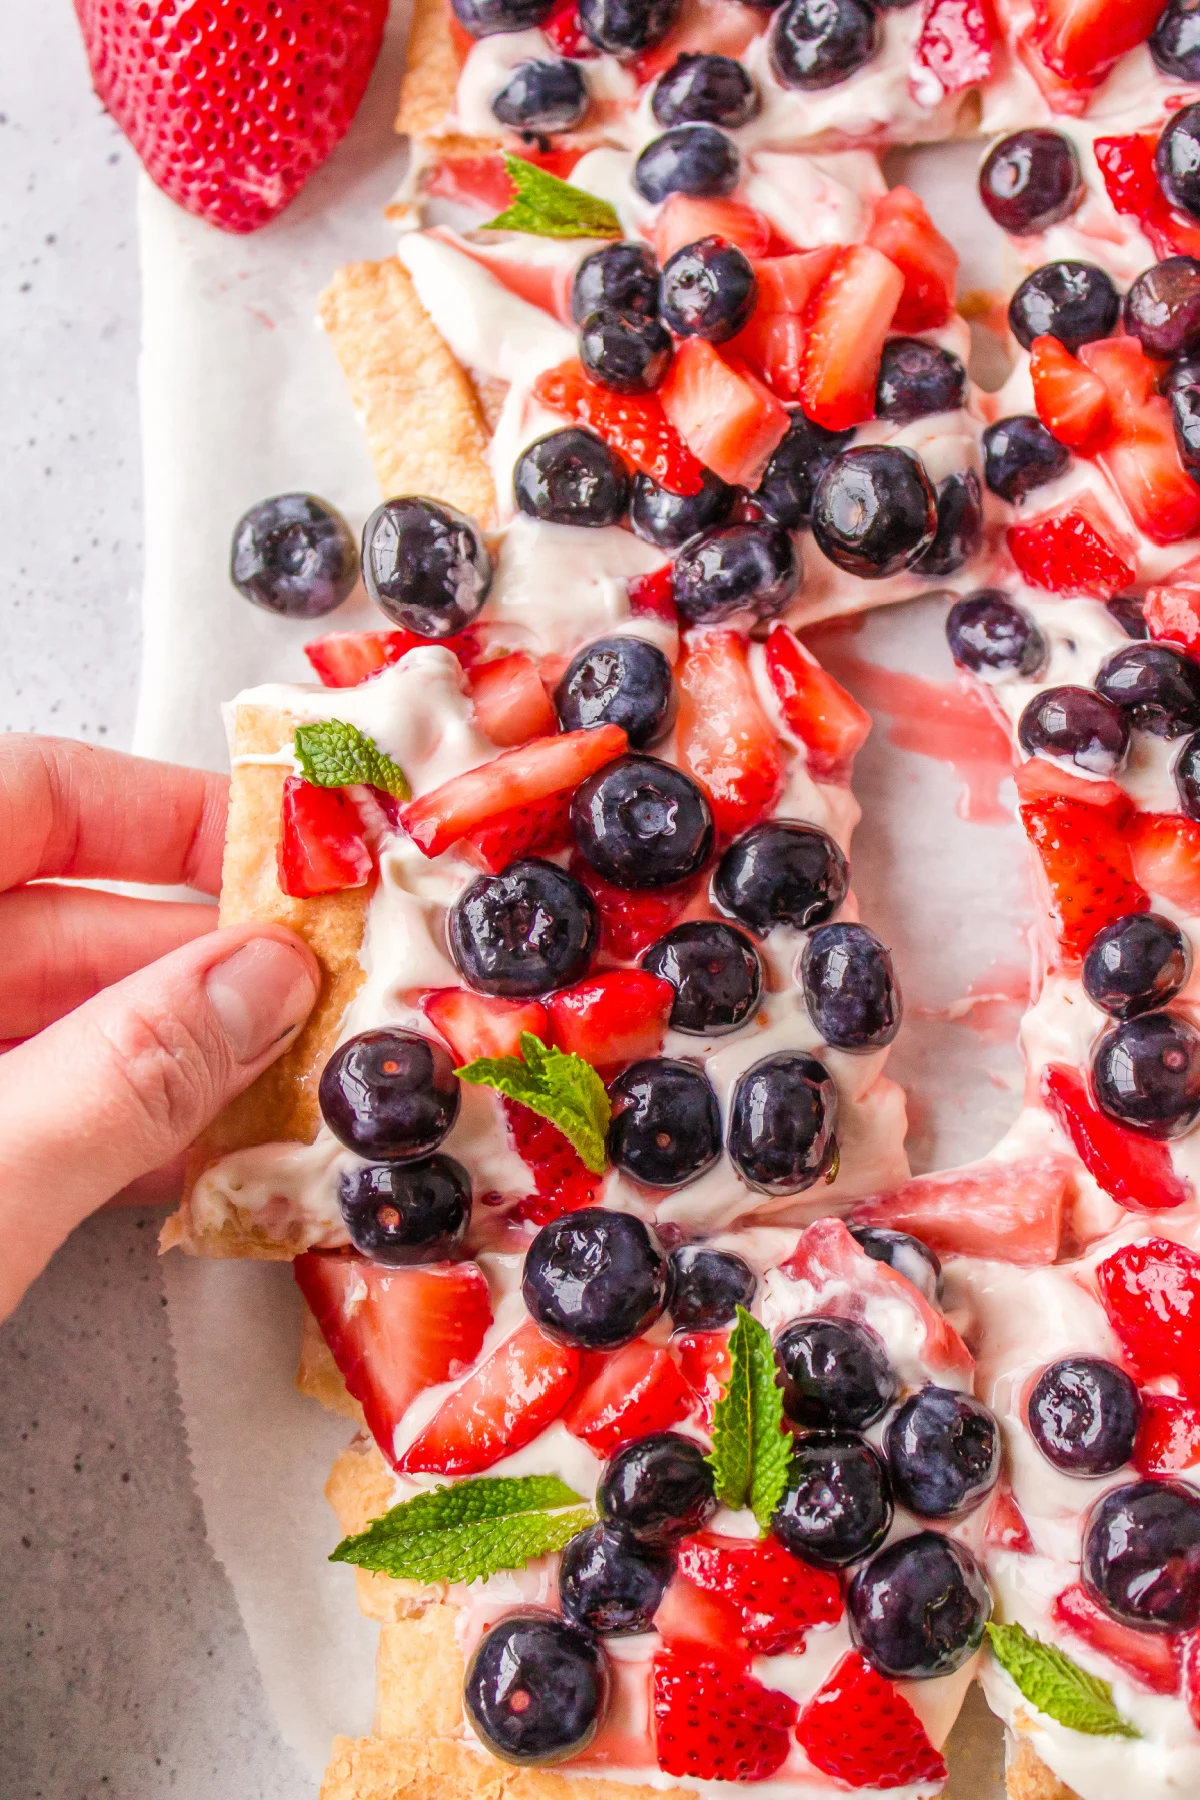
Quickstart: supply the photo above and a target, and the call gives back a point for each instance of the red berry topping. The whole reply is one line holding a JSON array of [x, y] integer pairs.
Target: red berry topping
[[1172, 610], [1084, 858], [321, 844], [714, 1723], [1012, 1212], [510, 703], [861, 1730], [1150, 1661], [902, 228], [1137, 1171], [502, 1406], [1166, 857], [631, 919], [1151, 1293], [849, 320], [1168, 1439], [612, 1019], [562, 1181], [724, 414], [1071, 402], [778, 1597], [634, 425], [482, 1024], [705, 1361], [627, 1394], [1075, 551], [724, 738], [828, 721], [653, 596]]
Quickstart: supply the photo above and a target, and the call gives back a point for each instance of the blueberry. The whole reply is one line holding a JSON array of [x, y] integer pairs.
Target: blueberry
[[659, 1488], [1156, 686], [1187, 776], [1185, 418], [689, 159], [786, 489], [709, 1286], [294, 555], [817, 43], [537, 1688], [1136, 964], [705, 90], [919, 1608], [389, 1095], [959, 534], [402, 1213], [642, 823], [1174, 44], [850, 988], [622, 681], [874, 511], [749, 568], [595, 1279], [1130, 614], [1162, 308], [1075, 302], [836, 1374], [992, 637], [624, 351], [1177, 160], [666, 1124], [837, 1505], [668, 519], [782, 1119], [623, 277], [782, 873], [1031, 180], [1146, 1074], [1019, 454], [716, 974], [526, 931], [916, 379], [626, 27], [943, 1449], [907, 1255], [1183, 372], [542, 96], [425, 565], [484, 18], [610, 1583], [708, 290], [1141, 1555], [1083, 1415], [1075, 725], [571, 477]]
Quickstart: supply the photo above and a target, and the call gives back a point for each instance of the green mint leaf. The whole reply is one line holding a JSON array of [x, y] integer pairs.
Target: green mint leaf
[[559, 1086], [547, 207], [470, 1529], [751, 1449], [334, 754], [1056, 1686]]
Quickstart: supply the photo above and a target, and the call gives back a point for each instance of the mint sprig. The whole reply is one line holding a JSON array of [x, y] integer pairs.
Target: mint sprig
[[544, 206], [1056, 1685], [334, 754], [557, 1085], [751, 1447], [470, 1529]]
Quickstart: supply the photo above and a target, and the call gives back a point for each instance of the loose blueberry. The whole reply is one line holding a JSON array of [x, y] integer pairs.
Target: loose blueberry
[[1146, 1074], [1185, 419], [526, 931], [1187, 776], [626, 27], [1174, 44], [1019, 454], [1156, 686], [595, 1279], [1031, 180], [402, 1213], [907, 1255], [425, 565], [992, 637], [389, 1095], [1075, 725], [622, 681], [782, 1120], [943, 1449], [708, 290], [959, 534], [484, 18], [542, 96], [1162, 308], [1177, 160], [705, 90], [1075, 302], [850, 988], [1083, 1416], [836, 1374], [294, 555], [610, 1583], [786, 489], [624, 351], [1141, 1555], [1130, 613], [668, 519], [781, 873], [659, 1488], [1184, 371], [919, 1608], [817, 43], [666, 1124], [621, 278], [874, 511], [642, 823], [716, 974], [749, 568], [709, 1286], [1136, 964], [537, 1688], [916, 379], [689, 159], [571, 477], [837, 1505]]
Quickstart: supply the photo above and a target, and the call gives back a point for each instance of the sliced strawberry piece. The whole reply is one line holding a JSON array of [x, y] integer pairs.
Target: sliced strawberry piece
[[511, 705], [1149, 1661], [631, 919], [1136, 1171], [1009, 1212], [480, 1024], [395, 1332], [786, 284], [714, 1723], [1040, 779], [1131, 181], [1151, 1294], [1074, 551], [1006, 1528], [612, 1019], [634, 425], [1168, 1439], [829, 722], [952, 53], [706, 1622], [928, 263], [724, 415], [502, 1406], [705, 1361], [1071, 402], [861, 1730], [483, 182], [685, 220], [851, 316], [321, 844], [1081, 39], [1166, 857], [778, 1597], [1172, 609], [540, 829], [634, 1391], [1084, 858], [723, 737], [562, 1181], [567, 34], [1191, 1676], [344, 659], [771, 347], [653, 596], [1140, 454]]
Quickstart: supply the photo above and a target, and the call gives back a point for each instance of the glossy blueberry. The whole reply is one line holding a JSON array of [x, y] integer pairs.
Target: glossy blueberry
[[526, 931], [943, 1449], [705, 90], [294, 555], [666, 1124], [537, 1688], [1075, 302], [668, 519], [850, 988], [484, 18], [715, 971], [1187, 776], [1185, 418], [1184, 371], [610, 1583], [1136, 964], [595, 1279], [1162, 308], [1083, 1415], [1130, 613], [1075, 725], [1146, 1074], [642, 823], [1031, 180], [837, 1505], [749, 568], [626, 27], [622, 681], [389, 1094], [959, 534], [709, 1286], [1174, 44], [689, 159], [624, 351], [781, 873], [817, 43], [786, 489], [1177, 160], [919, 1608], [904, 1253], [571, 477], [874, 511], [782, 1120], [916, 379], [549, 95], [659, 1488], [1019, 454], [402, 1213], [992, 637], [1141, 1555], [836, 1374], [425, 565], [708, 290], [621, 277], [1156, 686]]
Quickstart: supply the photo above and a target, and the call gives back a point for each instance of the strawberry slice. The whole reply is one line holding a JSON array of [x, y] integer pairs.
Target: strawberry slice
[[501, 1406], [712, 1722], [861, 1730], [1191, 1676], [952, 53], [685, 219], [1009, 1212], [321, 844], [562, 1181], [705, 1622], [1151, 1294], [1074, 551], [481, 1025], [723, 737], [705, 1361], [344, 659], [1172, 609], [634, 425], [1006, 1528], [1080, 40], [1131, 181], [1084, 859], [540, 829], [724, 414], [1040, 779], [928, 263], [395, 1332], [630, 921], [1140, 455], [1166, 857], [567, 34], [829, 722], [511, 705], [1071, 402], [772, 343], [652, 596], [778, 1596], [634, 1391], [612, 1019], [1136, 1171], [1149, 1661], [850, 318], [1168, 1439]]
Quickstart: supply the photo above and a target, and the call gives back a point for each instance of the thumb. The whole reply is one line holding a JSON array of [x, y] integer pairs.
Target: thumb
[[129, 1079]]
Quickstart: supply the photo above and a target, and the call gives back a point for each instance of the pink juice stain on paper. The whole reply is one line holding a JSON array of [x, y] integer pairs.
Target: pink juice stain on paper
[[992, 1004]]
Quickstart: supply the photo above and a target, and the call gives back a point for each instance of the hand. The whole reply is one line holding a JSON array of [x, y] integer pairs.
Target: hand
[[126, 1024]]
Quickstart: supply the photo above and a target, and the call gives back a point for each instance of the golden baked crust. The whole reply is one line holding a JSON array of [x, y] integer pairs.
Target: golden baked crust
[[1027, 1776], [430, 72], [360, 1489], [433, 1768]]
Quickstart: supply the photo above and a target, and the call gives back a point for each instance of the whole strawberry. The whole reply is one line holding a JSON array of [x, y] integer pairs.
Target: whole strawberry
[[232, 104]]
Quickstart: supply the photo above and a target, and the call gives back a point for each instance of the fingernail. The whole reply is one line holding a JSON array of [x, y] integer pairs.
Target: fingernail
[[260, 994]]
